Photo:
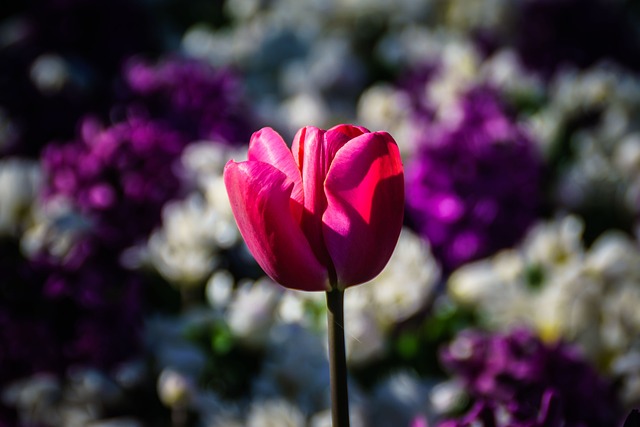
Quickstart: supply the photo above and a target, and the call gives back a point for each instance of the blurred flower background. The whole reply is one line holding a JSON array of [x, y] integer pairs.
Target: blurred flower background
[[128, 299]]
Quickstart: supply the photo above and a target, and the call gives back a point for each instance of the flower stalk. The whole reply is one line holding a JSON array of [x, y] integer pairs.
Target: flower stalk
[[337, 358]]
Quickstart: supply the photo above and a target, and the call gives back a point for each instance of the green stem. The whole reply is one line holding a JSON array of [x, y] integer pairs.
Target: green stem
[[337, 359]]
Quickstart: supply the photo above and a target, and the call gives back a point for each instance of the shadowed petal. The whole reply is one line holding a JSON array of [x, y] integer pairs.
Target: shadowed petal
[[308, 148], [339, 135], [267, 146], [260, 199], [365, 196]]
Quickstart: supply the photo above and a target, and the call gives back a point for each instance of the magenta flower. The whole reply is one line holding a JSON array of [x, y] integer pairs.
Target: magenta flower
[[325, 214]]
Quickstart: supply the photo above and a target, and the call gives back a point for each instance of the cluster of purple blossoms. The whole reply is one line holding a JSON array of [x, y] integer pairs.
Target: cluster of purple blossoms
[[474, 185], [119, 177], [191, 96], [515, 380]]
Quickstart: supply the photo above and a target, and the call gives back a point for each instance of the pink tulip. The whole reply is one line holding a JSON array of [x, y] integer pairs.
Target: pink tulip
[[326, 213]]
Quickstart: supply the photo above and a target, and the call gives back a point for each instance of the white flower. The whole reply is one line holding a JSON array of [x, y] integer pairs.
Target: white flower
[[219, 289], [307, 309], [459, 64], [331, 65], [627, 367], [292, 308], [305, 108], [174, 388], [604, 152], [626, 155], [505, 71], [614, 257], [554, 244], [301, 307], [20, 182], [55, 229], [528, 285], [275, 413], [493, 284], [205, 162], [184, 250], [34, 398], [50, 73], [243, 9], [447, 396], [206, 159], [384, 107], [409, 45], [403, 287], [252, 311], [407, 282], [79, 400], [356, 417]]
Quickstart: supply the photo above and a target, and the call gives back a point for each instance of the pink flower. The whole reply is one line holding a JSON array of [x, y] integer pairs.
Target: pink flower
[[326, 213]]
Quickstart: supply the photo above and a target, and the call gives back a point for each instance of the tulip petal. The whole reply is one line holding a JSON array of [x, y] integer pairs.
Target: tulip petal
[[260, 199], [308, 149], [365, 196], [267, 146], [339, 135]]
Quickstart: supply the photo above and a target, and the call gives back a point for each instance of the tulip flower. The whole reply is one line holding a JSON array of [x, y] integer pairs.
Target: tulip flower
[[324, 214]]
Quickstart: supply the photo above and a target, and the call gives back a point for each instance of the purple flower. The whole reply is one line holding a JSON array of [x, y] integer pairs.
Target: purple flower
[[192, 96], [119, 176], [474, 186], [517, 381]]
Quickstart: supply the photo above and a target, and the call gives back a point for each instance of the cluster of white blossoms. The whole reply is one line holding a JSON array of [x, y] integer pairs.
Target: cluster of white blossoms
[[296, 57], [306, 60], [288, 328], [605, 149], [307, 65], [402, 289], [561, 289], [405, 286], [81, 398], [183, 250]]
